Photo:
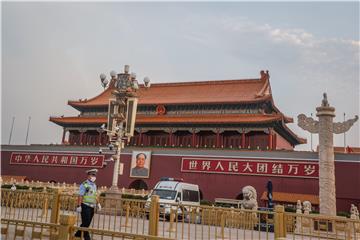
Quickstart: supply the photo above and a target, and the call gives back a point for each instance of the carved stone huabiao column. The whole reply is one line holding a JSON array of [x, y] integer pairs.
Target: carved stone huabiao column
[[325, 128]]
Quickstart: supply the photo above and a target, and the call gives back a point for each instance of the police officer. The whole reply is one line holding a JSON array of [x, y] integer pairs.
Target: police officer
[[87, 202]]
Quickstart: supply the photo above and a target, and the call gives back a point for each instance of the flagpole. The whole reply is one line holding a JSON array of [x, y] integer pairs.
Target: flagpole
[[11, 130], [27, 132], [344, 137], [311, 137]]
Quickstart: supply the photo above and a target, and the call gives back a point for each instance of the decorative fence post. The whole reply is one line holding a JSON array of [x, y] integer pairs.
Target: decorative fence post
[[280, 224], [66, 221], [127, 215], [45, 207], [55, 209], [172, 220], [221, 235], [154, 215]]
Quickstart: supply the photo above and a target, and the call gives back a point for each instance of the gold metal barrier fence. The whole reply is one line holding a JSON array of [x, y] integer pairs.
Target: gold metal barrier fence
[[13, 229], [174, 220], [204, 222], [117, 214], [26, 205], [139, 217], [314, 226], [113, 235]]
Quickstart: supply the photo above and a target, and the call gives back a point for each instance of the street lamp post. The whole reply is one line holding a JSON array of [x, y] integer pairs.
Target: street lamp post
[[121, 113]]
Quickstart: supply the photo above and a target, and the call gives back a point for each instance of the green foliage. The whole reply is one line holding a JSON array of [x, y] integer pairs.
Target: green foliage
[[225, 205], [23, 187], [290, 209], [18, 187], [206, 202], [130, 196], [38, 189], [343, 214]]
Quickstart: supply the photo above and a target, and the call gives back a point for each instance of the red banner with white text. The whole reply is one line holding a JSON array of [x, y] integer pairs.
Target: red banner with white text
[[283, 168], [58, 159]]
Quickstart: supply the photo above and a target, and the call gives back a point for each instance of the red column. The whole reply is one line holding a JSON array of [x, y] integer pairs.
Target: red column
[[239, 141], [87, 138], [99, 138], [193, 139], [170, 138], [63, 137], [140, 138], [71, 137], [222, 139], [243, 139], [145, 140], [103, 139], [274, 142], [86, 141], [270, 141], [217, 138], [106, 140], [81, 138]]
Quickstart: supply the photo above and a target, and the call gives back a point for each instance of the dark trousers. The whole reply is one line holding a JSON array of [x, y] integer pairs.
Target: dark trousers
[[87, 214]]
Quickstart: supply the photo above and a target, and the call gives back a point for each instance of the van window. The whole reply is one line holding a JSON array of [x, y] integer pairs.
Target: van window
[[164, 194], [190, 196]]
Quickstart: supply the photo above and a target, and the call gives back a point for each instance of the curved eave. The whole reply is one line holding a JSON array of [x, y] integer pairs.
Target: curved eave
[[287, 119], [185, 93], [299, 139], [70, 121], [289, 135], [85, 104], [168, 119], [274, 119], [89, 103], [209, 119]]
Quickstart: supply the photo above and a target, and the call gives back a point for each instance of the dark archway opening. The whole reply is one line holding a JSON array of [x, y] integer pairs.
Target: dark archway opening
[[240, 196], [138, 185], [201, 195]]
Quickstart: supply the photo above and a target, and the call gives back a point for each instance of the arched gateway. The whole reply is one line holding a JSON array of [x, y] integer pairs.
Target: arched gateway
[[138, 185]]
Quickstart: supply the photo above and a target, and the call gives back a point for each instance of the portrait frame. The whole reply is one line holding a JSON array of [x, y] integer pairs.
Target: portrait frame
[[138, 171]]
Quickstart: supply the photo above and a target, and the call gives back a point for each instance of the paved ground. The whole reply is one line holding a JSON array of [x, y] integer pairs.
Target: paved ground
[[139, 225]]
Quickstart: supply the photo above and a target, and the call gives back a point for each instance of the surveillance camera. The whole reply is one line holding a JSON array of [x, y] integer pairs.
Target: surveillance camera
[[111, 146], [103, 127], [117, 129], [100, 150]]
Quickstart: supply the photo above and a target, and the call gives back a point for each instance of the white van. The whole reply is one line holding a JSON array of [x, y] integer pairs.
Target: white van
[[174, 191]]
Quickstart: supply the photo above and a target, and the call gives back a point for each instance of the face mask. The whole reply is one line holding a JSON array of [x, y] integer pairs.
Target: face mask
[[92, 179]]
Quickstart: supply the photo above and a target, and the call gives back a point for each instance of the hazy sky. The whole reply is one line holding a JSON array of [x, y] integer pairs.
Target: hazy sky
[[54, 52]]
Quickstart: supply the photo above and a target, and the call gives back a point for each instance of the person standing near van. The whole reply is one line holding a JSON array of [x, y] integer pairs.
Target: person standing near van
[[269, 187], [87, 202]]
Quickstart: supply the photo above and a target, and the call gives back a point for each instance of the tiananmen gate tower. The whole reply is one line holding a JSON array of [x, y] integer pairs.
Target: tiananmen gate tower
[[208, 114]]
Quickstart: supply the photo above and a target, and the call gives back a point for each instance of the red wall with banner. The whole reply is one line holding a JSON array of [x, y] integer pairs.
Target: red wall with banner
[[251, 167], [57, 159], [218, 176]]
